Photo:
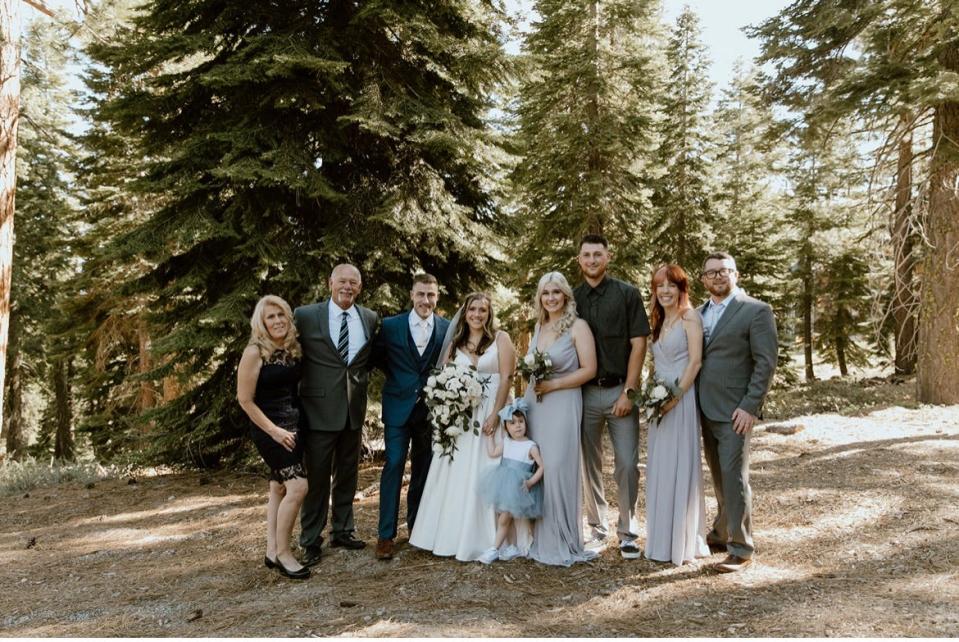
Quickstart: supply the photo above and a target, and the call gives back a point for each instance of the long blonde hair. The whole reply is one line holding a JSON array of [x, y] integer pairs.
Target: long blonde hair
[[260, 336], [569, 314]]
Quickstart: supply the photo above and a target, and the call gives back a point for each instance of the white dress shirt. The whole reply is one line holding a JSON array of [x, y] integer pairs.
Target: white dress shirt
[[421, 330], [714, 312], [355, 325]]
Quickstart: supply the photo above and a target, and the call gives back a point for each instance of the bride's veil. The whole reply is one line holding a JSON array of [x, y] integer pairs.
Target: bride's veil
[[448, 339]]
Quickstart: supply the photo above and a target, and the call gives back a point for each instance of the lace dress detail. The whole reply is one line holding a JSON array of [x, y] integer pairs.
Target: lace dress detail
[[276, 396]]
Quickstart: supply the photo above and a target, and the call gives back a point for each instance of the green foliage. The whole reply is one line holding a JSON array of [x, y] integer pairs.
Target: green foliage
[[270, 145], [23, 476], [684, 212], [587, 128], [46, 223], [843, 305]]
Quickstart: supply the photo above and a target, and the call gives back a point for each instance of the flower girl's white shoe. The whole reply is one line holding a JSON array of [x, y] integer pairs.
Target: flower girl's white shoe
[[510, 553], [490, 556]]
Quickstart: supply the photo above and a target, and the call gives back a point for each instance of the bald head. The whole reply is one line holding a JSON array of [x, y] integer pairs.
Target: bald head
[[345, 285]]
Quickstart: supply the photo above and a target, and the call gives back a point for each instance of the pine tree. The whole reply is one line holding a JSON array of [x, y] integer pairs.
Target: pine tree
[[683, 200], [887, 62], [823, 173], [46, 223], [278, 142], [586, 118], [844, 304], [750, 213]]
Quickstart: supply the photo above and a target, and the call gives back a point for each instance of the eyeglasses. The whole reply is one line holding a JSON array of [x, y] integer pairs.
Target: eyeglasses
[[712, 274]]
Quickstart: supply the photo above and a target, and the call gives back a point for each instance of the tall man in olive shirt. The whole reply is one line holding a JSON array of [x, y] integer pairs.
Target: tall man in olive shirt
[[615, 313]]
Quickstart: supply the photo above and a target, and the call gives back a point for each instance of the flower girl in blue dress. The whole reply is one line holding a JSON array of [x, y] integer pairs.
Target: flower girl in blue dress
[[513, 487]]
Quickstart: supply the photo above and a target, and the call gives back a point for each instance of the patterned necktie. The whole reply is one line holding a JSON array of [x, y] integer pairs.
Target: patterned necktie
[[343, 345], [423, 338]]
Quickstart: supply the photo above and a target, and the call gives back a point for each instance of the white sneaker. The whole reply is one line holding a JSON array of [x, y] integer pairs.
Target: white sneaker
[[597, 544], [490, 556], [629, 550], [510, 553]]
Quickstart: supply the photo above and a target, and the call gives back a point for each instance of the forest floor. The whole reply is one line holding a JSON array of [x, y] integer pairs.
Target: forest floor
[[856, 520]]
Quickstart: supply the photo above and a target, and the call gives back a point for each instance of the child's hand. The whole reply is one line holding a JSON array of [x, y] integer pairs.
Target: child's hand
[[526, 485]]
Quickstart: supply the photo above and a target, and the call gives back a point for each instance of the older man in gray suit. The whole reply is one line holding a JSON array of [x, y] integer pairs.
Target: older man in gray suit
[[739, 357], [336, 336]]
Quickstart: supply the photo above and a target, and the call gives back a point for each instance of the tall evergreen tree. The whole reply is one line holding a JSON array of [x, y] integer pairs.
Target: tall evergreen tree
[[587, 116], [280, 141], [750, 213], [843, 305], [46, 225], [822, 171], [879, 61], [684, 210]]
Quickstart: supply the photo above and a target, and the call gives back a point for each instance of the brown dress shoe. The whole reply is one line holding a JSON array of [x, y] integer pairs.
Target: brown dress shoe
[[732, 563], [384, 549]]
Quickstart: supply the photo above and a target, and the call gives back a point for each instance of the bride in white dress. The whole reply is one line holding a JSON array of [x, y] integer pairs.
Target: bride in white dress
[[453, 520]]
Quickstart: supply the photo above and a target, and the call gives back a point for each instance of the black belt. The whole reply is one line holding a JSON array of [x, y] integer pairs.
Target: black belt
[[608, 382]]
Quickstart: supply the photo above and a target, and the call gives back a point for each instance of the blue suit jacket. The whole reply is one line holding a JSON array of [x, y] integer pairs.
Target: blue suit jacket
[[406, 373]]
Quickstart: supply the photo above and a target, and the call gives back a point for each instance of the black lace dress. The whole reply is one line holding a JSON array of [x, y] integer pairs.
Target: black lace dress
[[276, 397]]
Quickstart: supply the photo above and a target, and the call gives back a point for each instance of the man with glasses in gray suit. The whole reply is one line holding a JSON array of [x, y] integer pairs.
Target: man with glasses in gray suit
[[739, 356]]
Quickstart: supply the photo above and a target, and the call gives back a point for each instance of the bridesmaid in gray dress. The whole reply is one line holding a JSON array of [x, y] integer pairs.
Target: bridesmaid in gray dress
[[554, 421], [675, 505]]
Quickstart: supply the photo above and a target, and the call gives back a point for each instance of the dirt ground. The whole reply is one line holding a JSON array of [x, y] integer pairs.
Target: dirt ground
[[856, 521]]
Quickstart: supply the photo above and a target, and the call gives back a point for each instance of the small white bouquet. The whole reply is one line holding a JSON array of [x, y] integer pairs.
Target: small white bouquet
[[451, 393], [655, 394], [536, 366]]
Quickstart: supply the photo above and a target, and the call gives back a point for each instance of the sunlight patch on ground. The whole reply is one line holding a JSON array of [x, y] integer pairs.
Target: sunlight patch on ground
[[181, 506], [846, 519]]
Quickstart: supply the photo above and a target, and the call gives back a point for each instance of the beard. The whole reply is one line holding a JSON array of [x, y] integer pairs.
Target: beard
[[721, 291]]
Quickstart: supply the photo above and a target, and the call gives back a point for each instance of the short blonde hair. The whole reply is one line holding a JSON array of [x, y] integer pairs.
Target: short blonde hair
[[569, 314], [260, 336]]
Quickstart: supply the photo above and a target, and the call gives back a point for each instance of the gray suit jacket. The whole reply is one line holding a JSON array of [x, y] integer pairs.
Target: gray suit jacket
[[331, 390], [738, 360]]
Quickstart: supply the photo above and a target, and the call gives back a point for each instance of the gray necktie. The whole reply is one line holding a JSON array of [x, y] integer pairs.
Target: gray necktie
[[343, 345]]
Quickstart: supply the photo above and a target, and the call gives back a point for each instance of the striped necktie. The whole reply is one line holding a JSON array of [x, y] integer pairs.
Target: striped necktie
[[343, 344]]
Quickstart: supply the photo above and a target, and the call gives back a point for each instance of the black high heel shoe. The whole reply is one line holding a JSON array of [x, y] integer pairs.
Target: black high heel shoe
[[301, 574], [267, 562]]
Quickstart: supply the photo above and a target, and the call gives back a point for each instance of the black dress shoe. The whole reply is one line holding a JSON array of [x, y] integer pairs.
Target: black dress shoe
[[300, 574], [347, 541], [267, 562], [312, 556]]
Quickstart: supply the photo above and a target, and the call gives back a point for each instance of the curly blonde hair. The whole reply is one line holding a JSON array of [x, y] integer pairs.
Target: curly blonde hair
[[569, 314], [260, 336]]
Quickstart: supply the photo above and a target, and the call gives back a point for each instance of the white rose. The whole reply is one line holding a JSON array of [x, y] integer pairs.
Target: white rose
[[438, 449], [453, 431], [529, 359], [659, 392], [455, 384], [442, 377], [431, 382]]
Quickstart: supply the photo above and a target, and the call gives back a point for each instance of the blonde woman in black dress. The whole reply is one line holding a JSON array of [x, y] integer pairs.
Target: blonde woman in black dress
[[266, 388]]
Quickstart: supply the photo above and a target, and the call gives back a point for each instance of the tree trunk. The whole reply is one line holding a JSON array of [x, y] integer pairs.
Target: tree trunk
[[905, 303], [806, 305], [938, 363], [16, 448], [9, 120], [63, 397], [841, 354], [147, 391]]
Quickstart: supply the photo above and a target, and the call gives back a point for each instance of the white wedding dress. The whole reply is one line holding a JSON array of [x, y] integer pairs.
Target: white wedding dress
[[452, 519]]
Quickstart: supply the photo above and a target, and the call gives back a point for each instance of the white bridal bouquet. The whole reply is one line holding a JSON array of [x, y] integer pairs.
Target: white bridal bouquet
[[451, 393], [655, 394]]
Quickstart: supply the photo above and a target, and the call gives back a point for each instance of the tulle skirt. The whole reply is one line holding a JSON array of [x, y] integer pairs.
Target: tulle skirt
[[502, 488]]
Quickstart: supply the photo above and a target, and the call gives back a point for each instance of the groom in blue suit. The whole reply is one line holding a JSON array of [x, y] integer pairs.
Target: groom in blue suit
[[406, 349]]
